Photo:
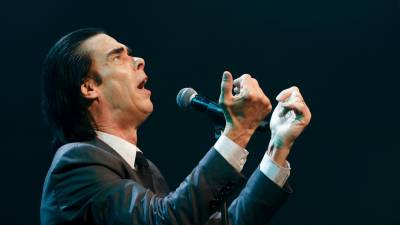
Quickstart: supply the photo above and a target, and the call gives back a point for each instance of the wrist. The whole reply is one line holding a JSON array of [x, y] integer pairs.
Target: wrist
[[238, 135], [279, 151]]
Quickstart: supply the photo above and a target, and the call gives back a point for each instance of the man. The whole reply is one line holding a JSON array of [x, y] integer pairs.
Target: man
[[95, 99]]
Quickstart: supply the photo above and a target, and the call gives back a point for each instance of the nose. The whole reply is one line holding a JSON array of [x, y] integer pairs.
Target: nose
[[138, 63]]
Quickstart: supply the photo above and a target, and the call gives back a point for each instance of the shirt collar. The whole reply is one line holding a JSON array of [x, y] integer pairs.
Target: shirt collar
[[124, 148]]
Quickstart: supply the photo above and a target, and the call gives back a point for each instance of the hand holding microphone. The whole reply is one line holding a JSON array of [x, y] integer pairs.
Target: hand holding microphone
[[245, 109], [242, 112]]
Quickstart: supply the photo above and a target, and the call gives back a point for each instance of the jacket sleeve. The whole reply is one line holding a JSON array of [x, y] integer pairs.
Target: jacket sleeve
[[256, 203], [88, 186]]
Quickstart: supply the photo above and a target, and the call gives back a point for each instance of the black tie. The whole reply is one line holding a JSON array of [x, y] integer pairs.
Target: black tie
[[143, 170]]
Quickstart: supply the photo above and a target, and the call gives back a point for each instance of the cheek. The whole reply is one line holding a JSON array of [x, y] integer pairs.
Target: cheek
[[118, 82], [119, 87], [111, 91], [116, 93]]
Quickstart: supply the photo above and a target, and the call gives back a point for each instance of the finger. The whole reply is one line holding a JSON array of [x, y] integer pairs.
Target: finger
[[257, 88], [298, 107], [283, 95], [238, 82], [281, 110], [226, 87], [296, 96], [286, 93], [242, 85], [260, 93], [297, 104], [236, 90]]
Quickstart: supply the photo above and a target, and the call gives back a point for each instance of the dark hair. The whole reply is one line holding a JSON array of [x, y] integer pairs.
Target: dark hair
[[65, 67]]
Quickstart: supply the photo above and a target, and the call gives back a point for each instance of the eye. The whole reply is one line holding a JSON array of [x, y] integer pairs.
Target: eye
[[116, 58]]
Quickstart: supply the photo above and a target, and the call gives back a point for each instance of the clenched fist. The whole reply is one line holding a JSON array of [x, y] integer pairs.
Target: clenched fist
[[244, 109], [288, 121]]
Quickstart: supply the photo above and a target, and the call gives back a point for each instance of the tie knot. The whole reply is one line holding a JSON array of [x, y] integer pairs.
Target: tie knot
[[140, 160]]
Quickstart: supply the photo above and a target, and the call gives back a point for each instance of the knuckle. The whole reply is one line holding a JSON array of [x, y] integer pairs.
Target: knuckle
[[296, 90], [267, 102], [302, 108], [297, 99], [251, 96], [246, 76], [268, 105], [262, 99]]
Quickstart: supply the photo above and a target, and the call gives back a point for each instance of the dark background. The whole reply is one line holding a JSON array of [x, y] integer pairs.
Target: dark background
[[342, 54]]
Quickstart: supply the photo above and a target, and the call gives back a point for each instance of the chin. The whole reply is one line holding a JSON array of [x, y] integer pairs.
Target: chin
[[149, 107]]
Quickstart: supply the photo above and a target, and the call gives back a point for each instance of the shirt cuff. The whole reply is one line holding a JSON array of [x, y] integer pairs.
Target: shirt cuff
[[232, 152], [273, 171]]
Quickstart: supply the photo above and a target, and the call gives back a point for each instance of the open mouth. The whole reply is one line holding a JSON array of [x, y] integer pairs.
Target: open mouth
[[141, 85]]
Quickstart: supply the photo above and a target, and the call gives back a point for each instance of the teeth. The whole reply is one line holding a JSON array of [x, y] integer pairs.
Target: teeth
[[144, 82], [141, 85]]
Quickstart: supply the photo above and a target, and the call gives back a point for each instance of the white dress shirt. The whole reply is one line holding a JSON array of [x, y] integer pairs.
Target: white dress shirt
[[124, 148], [232, 152], [237, 157]]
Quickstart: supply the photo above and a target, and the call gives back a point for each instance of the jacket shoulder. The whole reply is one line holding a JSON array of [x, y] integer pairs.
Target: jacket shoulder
[[81, 154]]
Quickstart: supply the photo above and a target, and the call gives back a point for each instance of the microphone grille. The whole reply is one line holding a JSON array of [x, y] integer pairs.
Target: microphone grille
[[184, 96]]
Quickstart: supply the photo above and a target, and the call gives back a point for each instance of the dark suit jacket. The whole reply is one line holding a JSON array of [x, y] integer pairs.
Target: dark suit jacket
[[90, 183]]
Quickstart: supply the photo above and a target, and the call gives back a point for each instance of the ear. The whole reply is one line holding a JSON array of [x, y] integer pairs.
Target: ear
[[89, 89]]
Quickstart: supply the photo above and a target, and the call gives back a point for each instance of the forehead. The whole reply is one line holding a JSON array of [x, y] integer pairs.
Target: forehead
[[101, 44]]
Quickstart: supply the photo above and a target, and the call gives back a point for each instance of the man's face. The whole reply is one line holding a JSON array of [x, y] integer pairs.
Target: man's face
[[123, 78]]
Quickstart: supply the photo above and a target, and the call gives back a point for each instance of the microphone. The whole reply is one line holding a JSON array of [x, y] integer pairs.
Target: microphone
[[187, 98]]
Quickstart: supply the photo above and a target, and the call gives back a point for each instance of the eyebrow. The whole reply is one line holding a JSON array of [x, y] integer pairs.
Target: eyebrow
[[115, 51], [119, 51]]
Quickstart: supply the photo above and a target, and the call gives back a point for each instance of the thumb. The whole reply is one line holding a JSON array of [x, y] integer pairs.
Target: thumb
[[226, 87]]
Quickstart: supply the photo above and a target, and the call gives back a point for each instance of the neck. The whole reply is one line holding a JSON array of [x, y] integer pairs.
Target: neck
[[129, 135], [115, 124]]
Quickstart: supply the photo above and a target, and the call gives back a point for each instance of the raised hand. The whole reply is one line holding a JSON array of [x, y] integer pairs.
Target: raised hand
[[288, 121], [243, 110]]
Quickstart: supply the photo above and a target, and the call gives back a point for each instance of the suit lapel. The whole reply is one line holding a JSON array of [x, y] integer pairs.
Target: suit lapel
[[131, 173]]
